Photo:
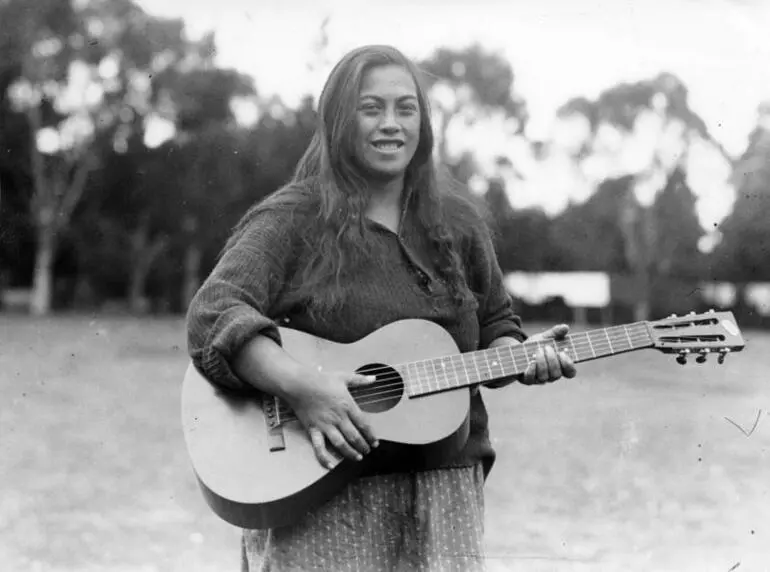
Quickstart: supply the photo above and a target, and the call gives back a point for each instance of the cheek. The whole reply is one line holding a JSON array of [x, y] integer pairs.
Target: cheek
[[413, 127]]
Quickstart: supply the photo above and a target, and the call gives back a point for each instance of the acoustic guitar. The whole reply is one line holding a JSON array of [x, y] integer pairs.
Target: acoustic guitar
[[255, 463]]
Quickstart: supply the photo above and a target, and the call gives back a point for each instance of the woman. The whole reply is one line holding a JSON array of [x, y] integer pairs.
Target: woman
[[363, 235]]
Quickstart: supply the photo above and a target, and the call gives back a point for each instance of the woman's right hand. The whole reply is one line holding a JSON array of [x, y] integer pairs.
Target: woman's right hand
[[327, 410]]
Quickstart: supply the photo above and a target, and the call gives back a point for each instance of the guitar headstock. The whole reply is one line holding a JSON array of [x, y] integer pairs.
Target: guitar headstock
[[697, 335]]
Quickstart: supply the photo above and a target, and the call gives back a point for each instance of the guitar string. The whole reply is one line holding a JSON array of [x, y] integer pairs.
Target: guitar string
[[384, 390], [577, 342], [513, 359], [451, 361], [395, 389]]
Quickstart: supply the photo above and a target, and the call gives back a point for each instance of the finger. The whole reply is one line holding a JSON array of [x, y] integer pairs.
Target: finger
[[530, 373], [354, 438], [568, 368], [560, 331], [557, 332], [362, 423], [341, 444], [357, 380], [319, 447], [543, 375], [554, 365]]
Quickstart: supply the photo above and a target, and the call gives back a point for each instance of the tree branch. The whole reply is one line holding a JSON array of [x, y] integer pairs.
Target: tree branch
[[73, 191], [40, 184]]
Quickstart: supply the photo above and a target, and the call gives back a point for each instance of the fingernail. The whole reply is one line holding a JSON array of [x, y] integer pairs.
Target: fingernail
[[376, 444], [371, 378], [359, 457]]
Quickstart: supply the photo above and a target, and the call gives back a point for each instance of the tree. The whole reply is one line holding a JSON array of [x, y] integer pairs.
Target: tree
[[588, 235], [741, 256], [467, 86], [208, 145], [647, 131], [82, 71]]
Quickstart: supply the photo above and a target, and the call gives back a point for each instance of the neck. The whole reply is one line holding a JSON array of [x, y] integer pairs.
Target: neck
[[386, 193], [502, 362]]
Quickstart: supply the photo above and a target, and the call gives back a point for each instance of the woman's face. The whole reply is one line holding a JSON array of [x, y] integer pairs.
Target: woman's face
[[388, 121]]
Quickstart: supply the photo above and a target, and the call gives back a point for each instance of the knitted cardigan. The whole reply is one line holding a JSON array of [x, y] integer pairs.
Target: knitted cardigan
[[252, 291]]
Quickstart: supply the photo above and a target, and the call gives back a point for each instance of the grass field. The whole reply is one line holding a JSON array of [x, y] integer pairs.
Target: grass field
[[633, 466]]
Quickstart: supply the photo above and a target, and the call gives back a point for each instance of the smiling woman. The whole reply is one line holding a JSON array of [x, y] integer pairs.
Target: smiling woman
[[366, 234], [388, 121]]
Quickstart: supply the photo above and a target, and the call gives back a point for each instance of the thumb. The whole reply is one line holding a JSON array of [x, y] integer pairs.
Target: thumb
[[357, 380], [557, 332]]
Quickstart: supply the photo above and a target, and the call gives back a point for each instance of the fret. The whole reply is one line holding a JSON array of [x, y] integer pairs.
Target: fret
[[479, 377], [442, 364], [607, 334], [572, 345], [490, 374], [531, 357], [413, 378], [461, 377], [590, 345], [523, 353], [465, 366], [498, 363], [483, 376], [437, 372], [622, 336], [425, 385], [630, 343]]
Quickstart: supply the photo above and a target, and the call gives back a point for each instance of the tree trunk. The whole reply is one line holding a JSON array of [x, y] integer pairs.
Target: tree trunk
[[42, 285], [633, 226], [192, 264], [192, 270], [143, 254], [137, 303]]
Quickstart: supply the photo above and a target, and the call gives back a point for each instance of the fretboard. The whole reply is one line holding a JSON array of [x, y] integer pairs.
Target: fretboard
[[460, 370]]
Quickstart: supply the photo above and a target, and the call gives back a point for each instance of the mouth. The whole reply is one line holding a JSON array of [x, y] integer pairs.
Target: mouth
[[387, 145]]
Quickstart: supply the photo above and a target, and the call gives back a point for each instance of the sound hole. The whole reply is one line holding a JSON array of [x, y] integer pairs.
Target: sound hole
[[381, 395]]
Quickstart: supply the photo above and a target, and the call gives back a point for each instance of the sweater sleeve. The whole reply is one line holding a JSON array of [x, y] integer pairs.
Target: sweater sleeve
[[495, 313], [233, 304]]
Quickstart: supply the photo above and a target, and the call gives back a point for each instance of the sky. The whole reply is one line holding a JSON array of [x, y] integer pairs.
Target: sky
[[558, 49]]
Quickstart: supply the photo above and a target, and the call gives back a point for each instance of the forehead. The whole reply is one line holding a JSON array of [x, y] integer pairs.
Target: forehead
[[390, 80]]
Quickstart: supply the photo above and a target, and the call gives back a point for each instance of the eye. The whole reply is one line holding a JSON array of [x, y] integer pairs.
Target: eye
[[369, 108]]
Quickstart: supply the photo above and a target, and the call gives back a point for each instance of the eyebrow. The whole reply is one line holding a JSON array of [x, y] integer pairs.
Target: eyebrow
[[378, 98]]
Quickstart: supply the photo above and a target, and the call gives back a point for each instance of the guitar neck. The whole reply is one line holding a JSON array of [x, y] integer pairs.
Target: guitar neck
[[484, 366]]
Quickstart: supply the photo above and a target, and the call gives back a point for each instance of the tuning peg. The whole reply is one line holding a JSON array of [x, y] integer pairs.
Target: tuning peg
[[691, 314], [681, 359], [722, 354], [712, 311], [702, 355], [672, 316]]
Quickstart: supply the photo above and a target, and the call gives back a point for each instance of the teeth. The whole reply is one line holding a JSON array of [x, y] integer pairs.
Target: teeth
[[387, 146]]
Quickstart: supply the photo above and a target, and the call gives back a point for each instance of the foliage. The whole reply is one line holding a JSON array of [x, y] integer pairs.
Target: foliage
[[151, 215], [743, 253]]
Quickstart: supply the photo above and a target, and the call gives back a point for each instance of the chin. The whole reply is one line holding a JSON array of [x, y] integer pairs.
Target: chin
[[386, 174]]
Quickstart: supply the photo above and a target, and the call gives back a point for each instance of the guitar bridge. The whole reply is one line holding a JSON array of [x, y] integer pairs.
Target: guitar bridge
[[275, 437]]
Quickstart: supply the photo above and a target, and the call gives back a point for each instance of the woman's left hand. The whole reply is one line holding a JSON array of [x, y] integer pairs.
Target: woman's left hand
[[549, 364]]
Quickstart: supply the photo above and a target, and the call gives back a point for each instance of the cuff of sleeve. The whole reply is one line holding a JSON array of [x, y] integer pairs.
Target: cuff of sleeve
[[491, 333], [232, 330]]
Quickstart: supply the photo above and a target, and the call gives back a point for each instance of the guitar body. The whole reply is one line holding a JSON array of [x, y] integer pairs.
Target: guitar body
[[251, 486]]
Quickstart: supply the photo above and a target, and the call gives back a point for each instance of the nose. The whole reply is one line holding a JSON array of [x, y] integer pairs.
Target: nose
[[389, 123]]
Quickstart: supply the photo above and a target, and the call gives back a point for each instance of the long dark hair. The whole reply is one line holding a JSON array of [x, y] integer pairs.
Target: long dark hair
[[328, 172]]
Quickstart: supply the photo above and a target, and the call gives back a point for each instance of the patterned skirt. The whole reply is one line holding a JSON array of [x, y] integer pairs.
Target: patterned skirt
[[427, 521]]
